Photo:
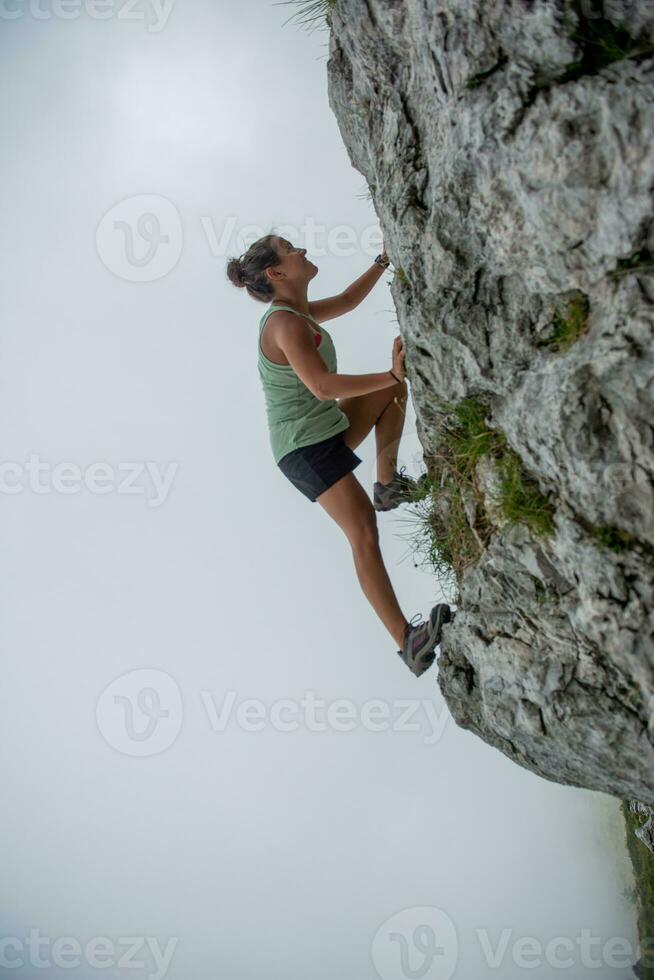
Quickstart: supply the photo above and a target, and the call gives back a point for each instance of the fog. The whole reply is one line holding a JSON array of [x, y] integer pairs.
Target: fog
[[214, 762]]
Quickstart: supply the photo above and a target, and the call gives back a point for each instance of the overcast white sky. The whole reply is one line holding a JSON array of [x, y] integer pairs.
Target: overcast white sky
[[146, 809]]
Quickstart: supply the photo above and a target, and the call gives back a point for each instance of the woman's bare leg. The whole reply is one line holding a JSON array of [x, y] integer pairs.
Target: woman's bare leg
[[376, 585], [348, 504], [388, 432], [384, 411]]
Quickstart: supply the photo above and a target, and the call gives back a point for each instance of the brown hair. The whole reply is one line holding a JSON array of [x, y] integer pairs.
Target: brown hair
[[249, 270]]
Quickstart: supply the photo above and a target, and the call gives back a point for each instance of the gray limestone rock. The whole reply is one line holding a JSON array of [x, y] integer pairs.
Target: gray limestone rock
[[645, 832], [511, 164]]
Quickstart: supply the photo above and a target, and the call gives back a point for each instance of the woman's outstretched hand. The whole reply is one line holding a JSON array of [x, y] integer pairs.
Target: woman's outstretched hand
[[398, 359]]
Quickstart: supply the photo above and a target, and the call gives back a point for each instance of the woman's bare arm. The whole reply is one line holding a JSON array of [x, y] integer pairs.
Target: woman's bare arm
[[292, 337]]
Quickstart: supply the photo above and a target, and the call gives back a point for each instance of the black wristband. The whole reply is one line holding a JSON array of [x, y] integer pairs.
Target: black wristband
[[378, 260], [396, 378]]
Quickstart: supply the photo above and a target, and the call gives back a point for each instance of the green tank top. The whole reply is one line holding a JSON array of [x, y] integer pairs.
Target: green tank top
[[295, 416]]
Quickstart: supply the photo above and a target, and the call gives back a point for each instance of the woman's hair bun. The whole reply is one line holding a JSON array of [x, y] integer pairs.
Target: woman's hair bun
[[248, 270], [235, 272]]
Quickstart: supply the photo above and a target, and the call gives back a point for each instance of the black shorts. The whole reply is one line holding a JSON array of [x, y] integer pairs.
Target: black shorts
[[313, 469]]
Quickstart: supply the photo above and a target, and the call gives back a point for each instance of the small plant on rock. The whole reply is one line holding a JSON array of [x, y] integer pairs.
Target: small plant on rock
[[568, 327]]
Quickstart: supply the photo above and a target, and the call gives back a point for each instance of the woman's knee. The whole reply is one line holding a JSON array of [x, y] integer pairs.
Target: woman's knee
[[350, 506], [402, 391], [396, 395], [365, 534]]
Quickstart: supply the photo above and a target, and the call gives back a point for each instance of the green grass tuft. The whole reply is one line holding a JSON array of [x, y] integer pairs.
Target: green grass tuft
[[545, 593], [441, 537], [366, 195], [570, 327], [641, 261], [453, 526], [602, 43], [521, 500], [612, 538], [314, 13], [642, 861], [470, 438]]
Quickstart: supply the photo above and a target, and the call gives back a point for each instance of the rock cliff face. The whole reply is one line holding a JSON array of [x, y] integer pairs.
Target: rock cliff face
[[509, 149]]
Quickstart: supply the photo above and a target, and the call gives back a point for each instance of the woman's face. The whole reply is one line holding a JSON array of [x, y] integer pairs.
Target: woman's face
[[293, 261]]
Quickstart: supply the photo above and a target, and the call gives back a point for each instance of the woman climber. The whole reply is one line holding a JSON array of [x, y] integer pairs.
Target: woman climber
[[317, 418]]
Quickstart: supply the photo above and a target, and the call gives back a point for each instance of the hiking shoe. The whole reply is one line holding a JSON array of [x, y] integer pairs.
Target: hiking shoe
[[401, 490], [420, 639]]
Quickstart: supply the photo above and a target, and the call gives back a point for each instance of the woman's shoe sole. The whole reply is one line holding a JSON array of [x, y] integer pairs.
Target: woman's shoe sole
[[438, 617]]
